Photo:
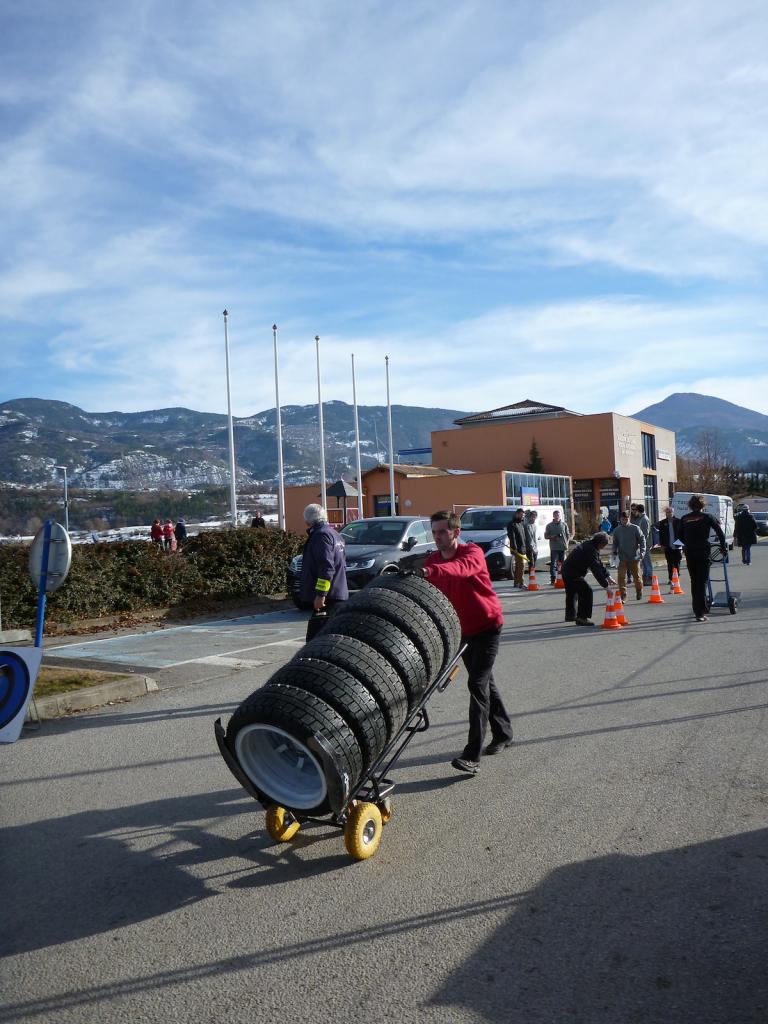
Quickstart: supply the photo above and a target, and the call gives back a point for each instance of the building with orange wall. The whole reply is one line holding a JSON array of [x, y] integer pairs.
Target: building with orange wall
[[590, 461]]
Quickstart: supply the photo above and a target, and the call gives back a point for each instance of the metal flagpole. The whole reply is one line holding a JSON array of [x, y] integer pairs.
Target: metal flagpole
[[279, 432], [392, 509], [323, 497], [232, 486], [357, 445]]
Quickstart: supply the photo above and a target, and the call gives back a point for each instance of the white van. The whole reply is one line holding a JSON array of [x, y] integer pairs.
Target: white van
[[486, 526], [719, 506]]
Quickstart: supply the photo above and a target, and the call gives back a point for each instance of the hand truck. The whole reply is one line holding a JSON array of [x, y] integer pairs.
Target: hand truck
[[723, 599], [359, 811]]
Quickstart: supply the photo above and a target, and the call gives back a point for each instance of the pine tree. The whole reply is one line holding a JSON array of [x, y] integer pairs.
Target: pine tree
[[534, 463]]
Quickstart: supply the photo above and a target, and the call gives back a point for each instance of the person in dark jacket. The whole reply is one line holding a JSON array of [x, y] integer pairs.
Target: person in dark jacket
[[323, 568], [517, 544], [258, 522], [669, 532], [745, 534], [531, 537], [584, 558], [181, 532], [695, 528]]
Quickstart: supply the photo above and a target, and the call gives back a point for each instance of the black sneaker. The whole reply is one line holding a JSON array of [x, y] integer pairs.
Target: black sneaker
[[584, 622], [461, 764], [569, 620], [497, 746]]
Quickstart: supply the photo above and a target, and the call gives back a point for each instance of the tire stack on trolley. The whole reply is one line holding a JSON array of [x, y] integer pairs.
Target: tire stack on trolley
[[326, 722]]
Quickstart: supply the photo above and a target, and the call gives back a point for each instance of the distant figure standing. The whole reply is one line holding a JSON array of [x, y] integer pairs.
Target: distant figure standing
[[258, 522], [323, 567], [532, 541], [169, 538], [156, 532], [641, 519], [180, 531], [669, 532], [745, 534], [584, 558], [558, 535], [517, 545], [695, 528]]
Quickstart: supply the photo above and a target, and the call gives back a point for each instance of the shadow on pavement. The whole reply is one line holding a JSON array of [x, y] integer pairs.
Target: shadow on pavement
[[679, 937]]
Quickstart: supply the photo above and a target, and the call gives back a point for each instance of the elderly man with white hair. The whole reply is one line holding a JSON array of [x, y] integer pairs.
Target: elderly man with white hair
[[323, 569]]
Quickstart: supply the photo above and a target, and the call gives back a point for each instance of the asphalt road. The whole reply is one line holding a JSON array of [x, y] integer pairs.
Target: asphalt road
[[611, 867]]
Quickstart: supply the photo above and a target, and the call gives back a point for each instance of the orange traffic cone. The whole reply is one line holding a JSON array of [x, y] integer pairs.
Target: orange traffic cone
[[676, 588], [559, 585], [610, 621], [532, 584], [655, 597], [618, 607]]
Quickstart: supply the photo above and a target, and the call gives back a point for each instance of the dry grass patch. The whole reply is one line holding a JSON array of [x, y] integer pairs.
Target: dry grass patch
[[61, 680]]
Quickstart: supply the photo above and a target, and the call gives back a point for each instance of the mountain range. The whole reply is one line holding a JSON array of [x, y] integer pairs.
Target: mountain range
[[179, 449], [742, 434]]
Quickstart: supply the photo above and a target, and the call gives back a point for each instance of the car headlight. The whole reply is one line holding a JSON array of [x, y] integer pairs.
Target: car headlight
[[500, 544], [366, 563]]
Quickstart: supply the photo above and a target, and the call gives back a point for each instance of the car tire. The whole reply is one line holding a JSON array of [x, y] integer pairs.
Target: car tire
[[370, 667], [409, 617], [348, 697], [390, 642], [268, 735], [433, 602]]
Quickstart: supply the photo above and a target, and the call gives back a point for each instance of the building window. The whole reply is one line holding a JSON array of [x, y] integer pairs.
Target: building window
[[650, 495], [553, 490], [649, 451]]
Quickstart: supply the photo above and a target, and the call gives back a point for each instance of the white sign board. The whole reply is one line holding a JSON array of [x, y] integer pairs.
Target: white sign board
[[19, 667], [59, 557]]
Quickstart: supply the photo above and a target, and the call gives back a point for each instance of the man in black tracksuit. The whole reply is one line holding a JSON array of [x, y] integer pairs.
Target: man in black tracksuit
[[695, 528], [584, 558], [669, 532]]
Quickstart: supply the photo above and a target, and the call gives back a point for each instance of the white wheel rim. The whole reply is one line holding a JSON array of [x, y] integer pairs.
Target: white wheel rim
[[280, 766]]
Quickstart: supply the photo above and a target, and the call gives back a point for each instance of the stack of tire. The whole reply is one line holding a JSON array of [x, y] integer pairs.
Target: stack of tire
[[354, 684]]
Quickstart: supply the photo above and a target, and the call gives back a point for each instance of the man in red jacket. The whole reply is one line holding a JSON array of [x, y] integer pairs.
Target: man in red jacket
[[460, 572]]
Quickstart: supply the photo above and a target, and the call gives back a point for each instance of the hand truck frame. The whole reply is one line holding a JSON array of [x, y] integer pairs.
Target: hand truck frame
[[728, 599]]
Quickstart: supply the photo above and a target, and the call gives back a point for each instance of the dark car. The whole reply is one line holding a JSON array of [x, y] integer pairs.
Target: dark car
[[374, 546], [761, 521]]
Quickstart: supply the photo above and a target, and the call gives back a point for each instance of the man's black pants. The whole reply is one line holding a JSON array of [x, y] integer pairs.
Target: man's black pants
[[673, 557], [485, 703], [581, 590], [698, 570]]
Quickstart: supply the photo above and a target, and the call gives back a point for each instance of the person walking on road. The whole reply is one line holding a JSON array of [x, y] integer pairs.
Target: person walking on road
[[695, 528], [459, 571], [323, 567], [558, 535], [745, 534], [669, 532], [641, 519], [517, 545], [628, 548], [584, 558]]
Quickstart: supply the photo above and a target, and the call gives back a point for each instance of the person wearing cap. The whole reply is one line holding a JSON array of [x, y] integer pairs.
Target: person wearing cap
[[640, 519], [584, 558], [695, 528], [323, 568], [745, 533]]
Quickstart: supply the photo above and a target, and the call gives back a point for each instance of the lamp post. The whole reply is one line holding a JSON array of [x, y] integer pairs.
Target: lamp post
[[279, 433], [66, 498], [231, 433]]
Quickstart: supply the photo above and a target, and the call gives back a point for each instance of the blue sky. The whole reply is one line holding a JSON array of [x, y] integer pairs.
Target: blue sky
[[558, 201]]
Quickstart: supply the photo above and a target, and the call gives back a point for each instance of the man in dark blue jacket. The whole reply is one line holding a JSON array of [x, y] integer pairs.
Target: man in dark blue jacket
[[584, 558], [323, 568]]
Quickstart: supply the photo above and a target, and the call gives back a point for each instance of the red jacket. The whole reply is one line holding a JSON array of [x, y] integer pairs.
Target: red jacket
[[465, 582]]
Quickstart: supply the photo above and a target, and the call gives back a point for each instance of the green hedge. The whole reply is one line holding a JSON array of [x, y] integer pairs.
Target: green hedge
[[106, 579]]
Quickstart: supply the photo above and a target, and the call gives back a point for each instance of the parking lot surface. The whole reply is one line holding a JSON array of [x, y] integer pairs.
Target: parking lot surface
[[611, 867]]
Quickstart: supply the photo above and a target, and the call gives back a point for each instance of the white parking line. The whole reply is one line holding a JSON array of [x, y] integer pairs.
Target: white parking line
[[272, 643]]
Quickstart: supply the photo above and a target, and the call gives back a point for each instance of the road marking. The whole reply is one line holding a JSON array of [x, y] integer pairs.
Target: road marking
[[222, 659], [272, 643]]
